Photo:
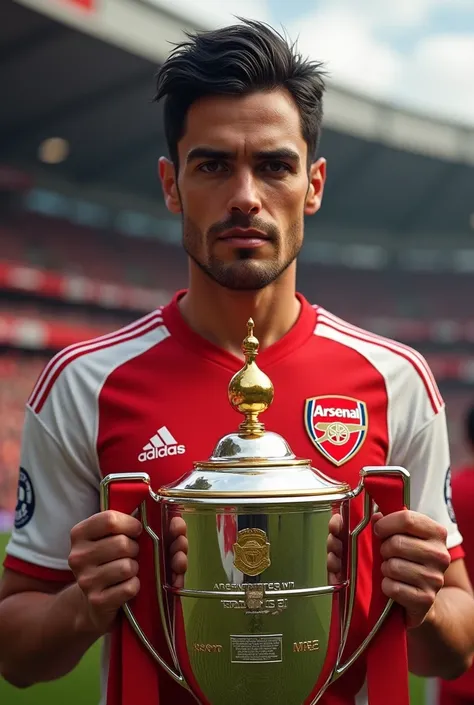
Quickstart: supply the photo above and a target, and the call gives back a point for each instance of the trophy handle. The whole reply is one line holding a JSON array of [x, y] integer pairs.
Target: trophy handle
[[137, 489], [398, 501]]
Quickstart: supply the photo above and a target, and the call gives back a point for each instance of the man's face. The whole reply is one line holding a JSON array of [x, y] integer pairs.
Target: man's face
[[243, 187]]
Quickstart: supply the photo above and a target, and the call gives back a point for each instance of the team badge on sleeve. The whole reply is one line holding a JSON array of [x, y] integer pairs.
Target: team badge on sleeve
[[25, 505], [337, 426], [448, 495]]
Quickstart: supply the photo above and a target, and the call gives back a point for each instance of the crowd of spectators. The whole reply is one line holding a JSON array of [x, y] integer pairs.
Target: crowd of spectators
[[18, 373]]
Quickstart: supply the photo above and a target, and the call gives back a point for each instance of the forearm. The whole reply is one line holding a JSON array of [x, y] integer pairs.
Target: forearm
[[42, 636], [443, 645]]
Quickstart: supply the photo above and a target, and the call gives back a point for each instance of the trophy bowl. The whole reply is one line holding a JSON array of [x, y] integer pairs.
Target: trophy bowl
[[257, 616]]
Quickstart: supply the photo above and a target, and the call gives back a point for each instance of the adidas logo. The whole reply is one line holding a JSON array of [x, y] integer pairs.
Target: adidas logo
[[161, 445]]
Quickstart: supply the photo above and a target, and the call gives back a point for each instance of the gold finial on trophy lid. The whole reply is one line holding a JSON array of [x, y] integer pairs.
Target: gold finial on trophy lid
[[250, 390]]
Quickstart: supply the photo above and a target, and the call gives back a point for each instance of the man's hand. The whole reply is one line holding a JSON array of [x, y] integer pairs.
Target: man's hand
[[178, 551], [102, 558], [335, 549], [415, 559]]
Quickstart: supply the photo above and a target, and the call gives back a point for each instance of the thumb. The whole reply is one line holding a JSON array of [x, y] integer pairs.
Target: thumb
[[376, 517]]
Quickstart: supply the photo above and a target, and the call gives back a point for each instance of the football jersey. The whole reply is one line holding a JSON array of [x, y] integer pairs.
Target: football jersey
[[141, 400], [462, 499]]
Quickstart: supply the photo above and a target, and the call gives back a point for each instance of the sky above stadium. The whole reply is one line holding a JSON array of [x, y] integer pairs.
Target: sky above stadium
[[416, 53]]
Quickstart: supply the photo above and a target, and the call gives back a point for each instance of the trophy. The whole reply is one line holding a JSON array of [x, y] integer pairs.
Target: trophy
[[257, 618]]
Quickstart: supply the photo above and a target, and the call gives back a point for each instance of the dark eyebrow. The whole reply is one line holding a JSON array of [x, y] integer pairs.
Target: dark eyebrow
[[208, 153], [272, 154], [278, 154]]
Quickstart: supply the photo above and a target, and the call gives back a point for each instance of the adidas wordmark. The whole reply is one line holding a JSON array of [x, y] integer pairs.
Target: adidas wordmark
[[161, 445]]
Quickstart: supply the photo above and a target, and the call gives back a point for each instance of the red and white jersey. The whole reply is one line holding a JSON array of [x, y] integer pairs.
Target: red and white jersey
[[462, 506], [135, 401]]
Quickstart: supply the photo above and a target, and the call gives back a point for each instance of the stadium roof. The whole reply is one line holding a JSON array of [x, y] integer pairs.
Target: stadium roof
[[387, 169]]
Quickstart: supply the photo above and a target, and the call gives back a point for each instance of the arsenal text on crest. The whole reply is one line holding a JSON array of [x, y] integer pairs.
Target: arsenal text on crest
[[337, 426]]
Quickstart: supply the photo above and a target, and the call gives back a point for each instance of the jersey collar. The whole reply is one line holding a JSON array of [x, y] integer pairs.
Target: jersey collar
[[302, 330]]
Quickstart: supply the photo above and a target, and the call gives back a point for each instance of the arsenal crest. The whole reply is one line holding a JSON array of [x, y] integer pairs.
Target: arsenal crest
[[337, 426], [251, 551]]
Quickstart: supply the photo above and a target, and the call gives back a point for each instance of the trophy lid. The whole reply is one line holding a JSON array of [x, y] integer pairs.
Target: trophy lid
[[253, 462]]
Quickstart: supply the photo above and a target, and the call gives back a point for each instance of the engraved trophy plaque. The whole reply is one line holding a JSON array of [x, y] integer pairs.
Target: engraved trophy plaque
[[257, 618]]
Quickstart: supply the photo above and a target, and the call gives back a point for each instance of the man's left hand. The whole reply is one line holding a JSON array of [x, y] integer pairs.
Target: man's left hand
[[415, 559]]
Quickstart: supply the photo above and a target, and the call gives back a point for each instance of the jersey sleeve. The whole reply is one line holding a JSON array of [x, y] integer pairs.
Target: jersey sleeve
[[427, 458], [58, 487]]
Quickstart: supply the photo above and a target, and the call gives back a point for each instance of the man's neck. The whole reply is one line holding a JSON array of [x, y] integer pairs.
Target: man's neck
[[220, 315]]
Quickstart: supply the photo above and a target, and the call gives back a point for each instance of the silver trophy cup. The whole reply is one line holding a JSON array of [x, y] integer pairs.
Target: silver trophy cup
[[257, 617]]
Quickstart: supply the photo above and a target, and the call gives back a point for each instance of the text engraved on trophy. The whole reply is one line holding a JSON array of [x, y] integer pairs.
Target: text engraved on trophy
[[256, 648], [208, 648], [251, 552], [234, 587], [269, 605], [300, 646]]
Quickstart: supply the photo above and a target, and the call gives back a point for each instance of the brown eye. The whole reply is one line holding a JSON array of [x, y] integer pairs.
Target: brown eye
[[211, 167], [276, 167]]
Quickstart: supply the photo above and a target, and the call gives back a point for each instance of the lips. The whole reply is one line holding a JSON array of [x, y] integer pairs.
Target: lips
[[244, 234], [244, 238]]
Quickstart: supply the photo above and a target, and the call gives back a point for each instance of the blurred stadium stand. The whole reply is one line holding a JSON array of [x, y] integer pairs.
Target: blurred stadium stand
[[86, 244]]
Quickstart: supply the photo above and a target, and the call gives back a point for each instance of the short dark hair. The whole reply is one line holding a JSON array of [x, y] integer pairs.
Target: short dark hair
[[469, 428], [238, 60]]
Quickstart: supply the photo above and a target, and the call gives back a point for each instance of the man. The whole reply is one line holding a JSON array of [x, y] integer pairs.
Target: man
[[242, 118], [461, 690]]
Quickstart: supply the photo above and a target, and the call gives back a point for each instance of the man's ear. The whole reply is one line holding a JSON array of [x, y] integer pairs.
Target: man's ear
[[317, 179], [168, 178]]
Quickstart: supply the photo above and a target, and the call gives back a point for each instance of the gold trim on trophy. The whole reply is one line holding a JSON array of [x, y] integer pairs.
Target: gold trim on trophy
[[252, 552], [250, 390]]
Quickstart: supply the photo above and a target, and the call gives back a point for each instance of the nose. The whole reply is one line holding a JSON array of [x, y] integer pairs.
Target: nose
[[244, 196]]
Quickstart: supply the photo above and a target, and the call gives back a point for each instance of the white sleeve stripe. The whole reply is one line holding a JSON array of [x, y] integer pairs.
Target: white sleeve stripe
[[393, 344], [61, 361], [406, 353], [423, 369], [52, 363]]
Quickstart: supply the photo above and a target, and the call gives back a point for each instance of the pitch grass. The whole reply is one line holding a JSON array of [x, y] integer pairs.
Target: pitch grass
[[81, 686]]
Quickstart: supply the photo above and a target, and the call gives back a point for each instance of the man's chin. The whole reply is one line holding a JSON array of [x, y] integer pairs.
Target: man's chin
[[245, 275]]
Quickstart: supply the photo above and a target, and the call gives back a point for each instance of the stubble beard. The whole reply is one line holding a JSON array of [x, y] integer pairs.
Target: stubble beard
[[246, 272]]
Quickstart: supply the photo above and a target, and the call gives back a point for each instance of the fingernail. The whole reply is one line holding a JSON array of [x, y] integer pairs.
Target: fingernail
[[376, 529]]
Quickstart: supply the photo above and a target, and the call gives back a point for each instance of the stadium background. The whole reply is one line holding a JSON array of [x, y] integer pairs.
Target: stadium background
[[87, 246]]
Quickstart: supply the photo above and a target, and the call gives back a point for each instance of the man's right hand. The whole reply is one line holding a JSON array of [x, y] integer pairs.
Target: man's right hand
[[103, 552]]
